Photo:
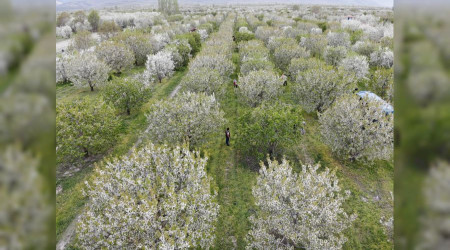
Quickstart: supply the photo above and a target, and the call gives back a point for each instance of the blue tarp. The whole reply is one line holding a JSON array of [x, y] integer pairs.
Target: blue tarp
[[387, 108]]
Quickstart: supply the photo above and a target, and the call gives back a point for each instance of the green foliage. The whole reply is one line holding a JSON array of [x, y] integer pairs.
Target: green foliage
[[243, 36], [209, 27], [107, 28], [94, 19], [62, 19], [138, 42], [194, 41], [83, 128], [126, 94], [79, 17], [323, 26], [269, 129], [269, 22], [174, 18], [241, 22], [356, 36]]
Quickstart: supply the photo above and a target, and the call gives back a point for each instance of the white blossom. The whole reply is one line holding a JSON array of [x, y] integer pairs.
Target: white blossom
[[259, 86], [84, 69], [358, 128], [64, 32], [116, 55], [187, 117], [356, 64], [382, 58], [298, 210], [159, 66], [156, 198]]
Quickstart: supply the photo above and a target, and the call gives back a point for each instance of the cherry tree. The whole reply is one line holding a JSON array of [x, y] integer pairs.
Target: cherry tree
[[61, 68], [203, 80], [187, 117], [298, 210], [218, 62], [259, 86], [286, 52], [138, 42], [314, 43], [159, 65], [126, 93], [116, 55], [382, 58], [83, 128], [302, 64], [358, 128], [64, 32], [82, 41], [364, 48], [355, 64], [255, 65], [334, 55], [317, 88], [156, 198], [84, 69], [336, 39]]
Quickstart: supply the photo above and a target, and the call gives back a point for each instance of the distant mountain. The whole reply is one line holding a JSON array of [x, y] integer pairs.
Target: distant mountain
[[67, 5]]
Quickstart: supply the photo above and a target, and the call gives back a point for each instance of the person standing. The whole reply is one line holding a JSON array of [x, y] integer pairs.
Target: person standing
[[235, 83], [227, 136]]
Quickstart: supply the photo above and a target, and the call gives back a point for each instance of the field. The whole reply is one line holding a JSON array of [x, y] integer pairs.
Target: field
[[274, 53]]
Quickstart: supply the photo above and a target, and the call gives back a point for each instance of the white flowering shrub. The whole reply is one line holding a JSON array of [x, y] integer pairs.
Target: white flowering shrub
[[375, 34], [358, 128], [203, 80], [253, 49], [188, 117], [82, 26], [317, 88], [303, 64], [382, 58], [156, 198], [218, 62], [338, 39], [286, 52], [84, 69], [26, 210], [255, 65], [64, 32], [61, 68], [138, 42], [352, 25], [315, 44], [436, 192], [364, 48], [203, 34], [355, 64], [259, 86], [334, 55], [116, 55], [159, 41], [316, 31], [264, 33], [244, 30], [159, 66], [298, 210]]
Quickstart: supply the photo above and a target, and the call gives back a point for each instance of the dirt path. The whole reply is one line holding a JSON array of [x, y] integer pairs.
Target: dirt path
[[175, 91], [68, 235]]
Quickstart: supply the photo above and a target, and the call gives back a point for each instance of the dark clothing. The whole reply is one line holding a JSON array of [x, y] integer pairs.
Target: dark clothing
[[227, 141], [227, 137]]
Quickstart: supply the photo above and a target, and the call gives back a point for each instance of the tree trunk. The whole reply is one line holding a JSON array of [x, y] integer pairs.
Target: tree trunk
[[128, 111], [92, 88], [160, 79]]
